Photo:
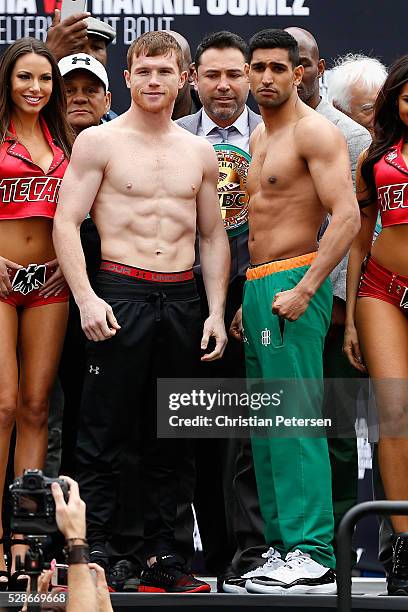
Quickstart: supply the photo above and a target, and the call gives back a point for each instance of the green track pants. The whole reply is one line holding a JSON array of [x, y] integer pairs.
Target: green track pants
[[293, 474]]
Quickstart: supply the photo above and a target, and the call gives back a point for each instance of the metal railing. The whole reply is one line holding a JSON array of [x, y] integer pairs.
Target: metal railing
[[344, 543]]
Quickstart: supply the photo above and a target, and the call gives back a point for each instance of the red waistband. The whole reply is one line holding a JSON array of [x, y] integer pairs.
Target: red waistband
[[148, 275]]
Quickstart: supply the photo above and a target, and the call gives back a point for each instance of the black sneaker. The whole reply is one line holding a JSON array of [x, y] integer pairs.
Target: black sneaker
[[168, 575], [397, 583], [122, 571]]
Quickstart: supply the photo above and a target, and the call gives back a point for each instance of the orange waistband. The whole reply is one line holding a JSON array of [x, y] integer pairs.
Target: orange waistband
[[280, 266]]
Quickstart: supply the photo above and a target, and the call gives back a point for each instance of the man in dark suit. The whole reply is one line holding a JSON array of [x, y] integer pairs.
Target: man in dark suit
[[226, 498]]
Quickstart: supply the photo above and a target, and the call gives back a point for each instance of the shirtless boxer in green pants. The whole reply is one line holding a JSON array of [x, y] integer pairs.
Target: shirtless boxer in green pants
[[300, 171]]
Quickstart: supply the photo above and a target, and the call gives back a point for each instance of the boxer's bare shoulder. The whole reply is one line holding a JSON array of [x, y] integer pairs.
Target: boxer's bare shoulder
[[194, 148], [103, 141], [198, 144], [90, 149], [255, 136], [93, 138], [315, 135]]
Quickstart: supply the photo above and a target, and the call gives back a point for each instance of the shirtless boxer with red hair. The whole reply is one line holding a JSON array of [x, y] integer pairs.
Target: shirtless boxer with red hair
[[148, 185]]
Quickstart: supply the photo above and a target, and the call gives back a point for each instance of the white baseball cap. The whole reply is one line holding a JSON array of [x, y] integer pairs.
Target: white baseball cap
[[83, 61]]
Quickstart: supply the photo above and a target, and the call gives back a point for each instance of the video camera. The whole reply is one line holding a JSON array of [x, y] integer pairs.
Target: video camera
[[33, 506]]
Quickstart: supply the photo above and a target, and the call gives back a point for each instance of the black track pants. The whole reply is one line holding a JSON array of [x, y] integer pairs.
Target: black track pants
[[159, 337]]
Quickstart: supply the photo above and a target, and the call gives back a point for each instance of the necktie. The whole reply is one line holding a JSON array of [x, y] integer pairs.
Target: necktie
[[225, 132]]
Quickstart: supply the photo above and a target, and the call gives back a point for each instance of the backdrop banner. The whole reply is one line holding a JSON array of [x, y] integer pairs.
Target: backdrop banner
[[371, 26]]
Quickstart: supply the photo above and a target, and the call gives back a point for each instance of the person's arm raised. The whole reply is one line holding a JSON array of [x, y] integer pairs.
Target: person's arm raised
[[79, 188], [102, 590], [71, 521], [68, 36], [215, 255], [325, 152]]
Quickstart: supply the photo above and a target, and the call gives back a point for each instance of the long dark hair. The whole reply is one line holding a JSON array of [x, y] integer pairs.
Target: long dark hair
[[388, 127], [55, 112]]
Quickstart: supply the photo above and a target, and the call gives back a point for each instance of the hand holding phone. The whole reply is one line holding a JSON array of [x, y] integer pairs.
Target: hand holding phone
[[68, 36], [60, 576], [72, 7]]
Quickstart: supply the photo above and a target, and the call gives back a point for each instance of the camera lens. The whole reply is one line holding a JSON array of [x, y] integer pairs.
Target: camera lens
[[31, 482]]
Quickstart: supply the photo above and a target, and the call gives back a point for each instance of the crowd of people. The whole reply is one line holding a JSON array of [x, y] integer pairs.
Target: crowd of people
[[118, 268]]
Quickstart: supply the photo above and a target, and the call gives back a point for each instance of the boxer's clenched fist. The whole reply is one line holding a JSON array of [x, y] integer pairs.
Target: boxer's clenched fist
[[97, 319]]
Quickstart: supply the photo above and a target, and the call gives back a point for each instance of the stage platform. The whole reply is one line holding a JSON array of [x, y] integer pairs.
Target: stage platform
[[368, 594]]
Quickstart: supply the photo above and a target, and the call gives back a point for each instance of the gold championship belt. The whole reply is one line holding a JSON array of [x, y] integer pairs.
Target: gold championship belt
[[233, 164]]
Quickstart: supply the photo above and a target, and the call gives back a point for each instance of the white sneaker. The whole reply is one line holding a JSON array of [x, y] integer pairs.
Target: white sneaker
[[299, 574], [236, 584]]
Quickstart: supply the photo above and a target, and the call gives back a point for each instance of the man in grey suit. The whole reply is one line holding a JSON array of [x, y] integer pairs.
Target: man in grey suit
[[343, 451], [222, 83]]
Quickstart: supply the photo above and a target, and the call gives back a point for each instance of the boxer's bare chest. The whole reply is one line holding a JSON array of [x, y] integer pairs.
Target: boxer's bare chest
[[276, 166], [155, 169]]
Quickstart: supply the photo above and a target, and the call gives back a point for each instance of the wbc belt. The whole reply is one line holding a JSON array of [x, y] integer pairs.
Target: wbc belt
[[148, 275], [233, 164]]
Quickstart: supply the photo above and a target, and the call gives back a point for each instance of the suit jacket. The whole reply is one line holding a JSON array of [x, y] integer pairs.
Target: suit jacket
[[238, 244]]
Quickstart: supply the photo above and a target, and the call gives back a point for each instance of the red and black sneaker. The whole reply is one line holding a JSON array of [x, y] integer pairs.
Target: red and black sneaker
[[168, 575]]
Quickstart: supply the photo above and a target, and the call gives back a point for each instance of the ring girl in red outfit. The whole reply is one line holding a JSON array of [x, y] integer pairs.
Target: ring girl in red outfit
[[377, 300], [35, 143]]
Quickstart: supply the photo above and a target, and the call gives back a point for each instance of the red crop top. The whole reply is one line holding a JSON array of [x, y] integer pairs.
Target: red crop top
[[391, 179], [25, 190]]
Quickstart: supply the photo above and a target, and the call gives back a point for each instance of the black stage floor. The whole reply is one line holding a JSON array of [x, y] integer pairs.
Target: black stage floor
[[244, 603], [368, 594]]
